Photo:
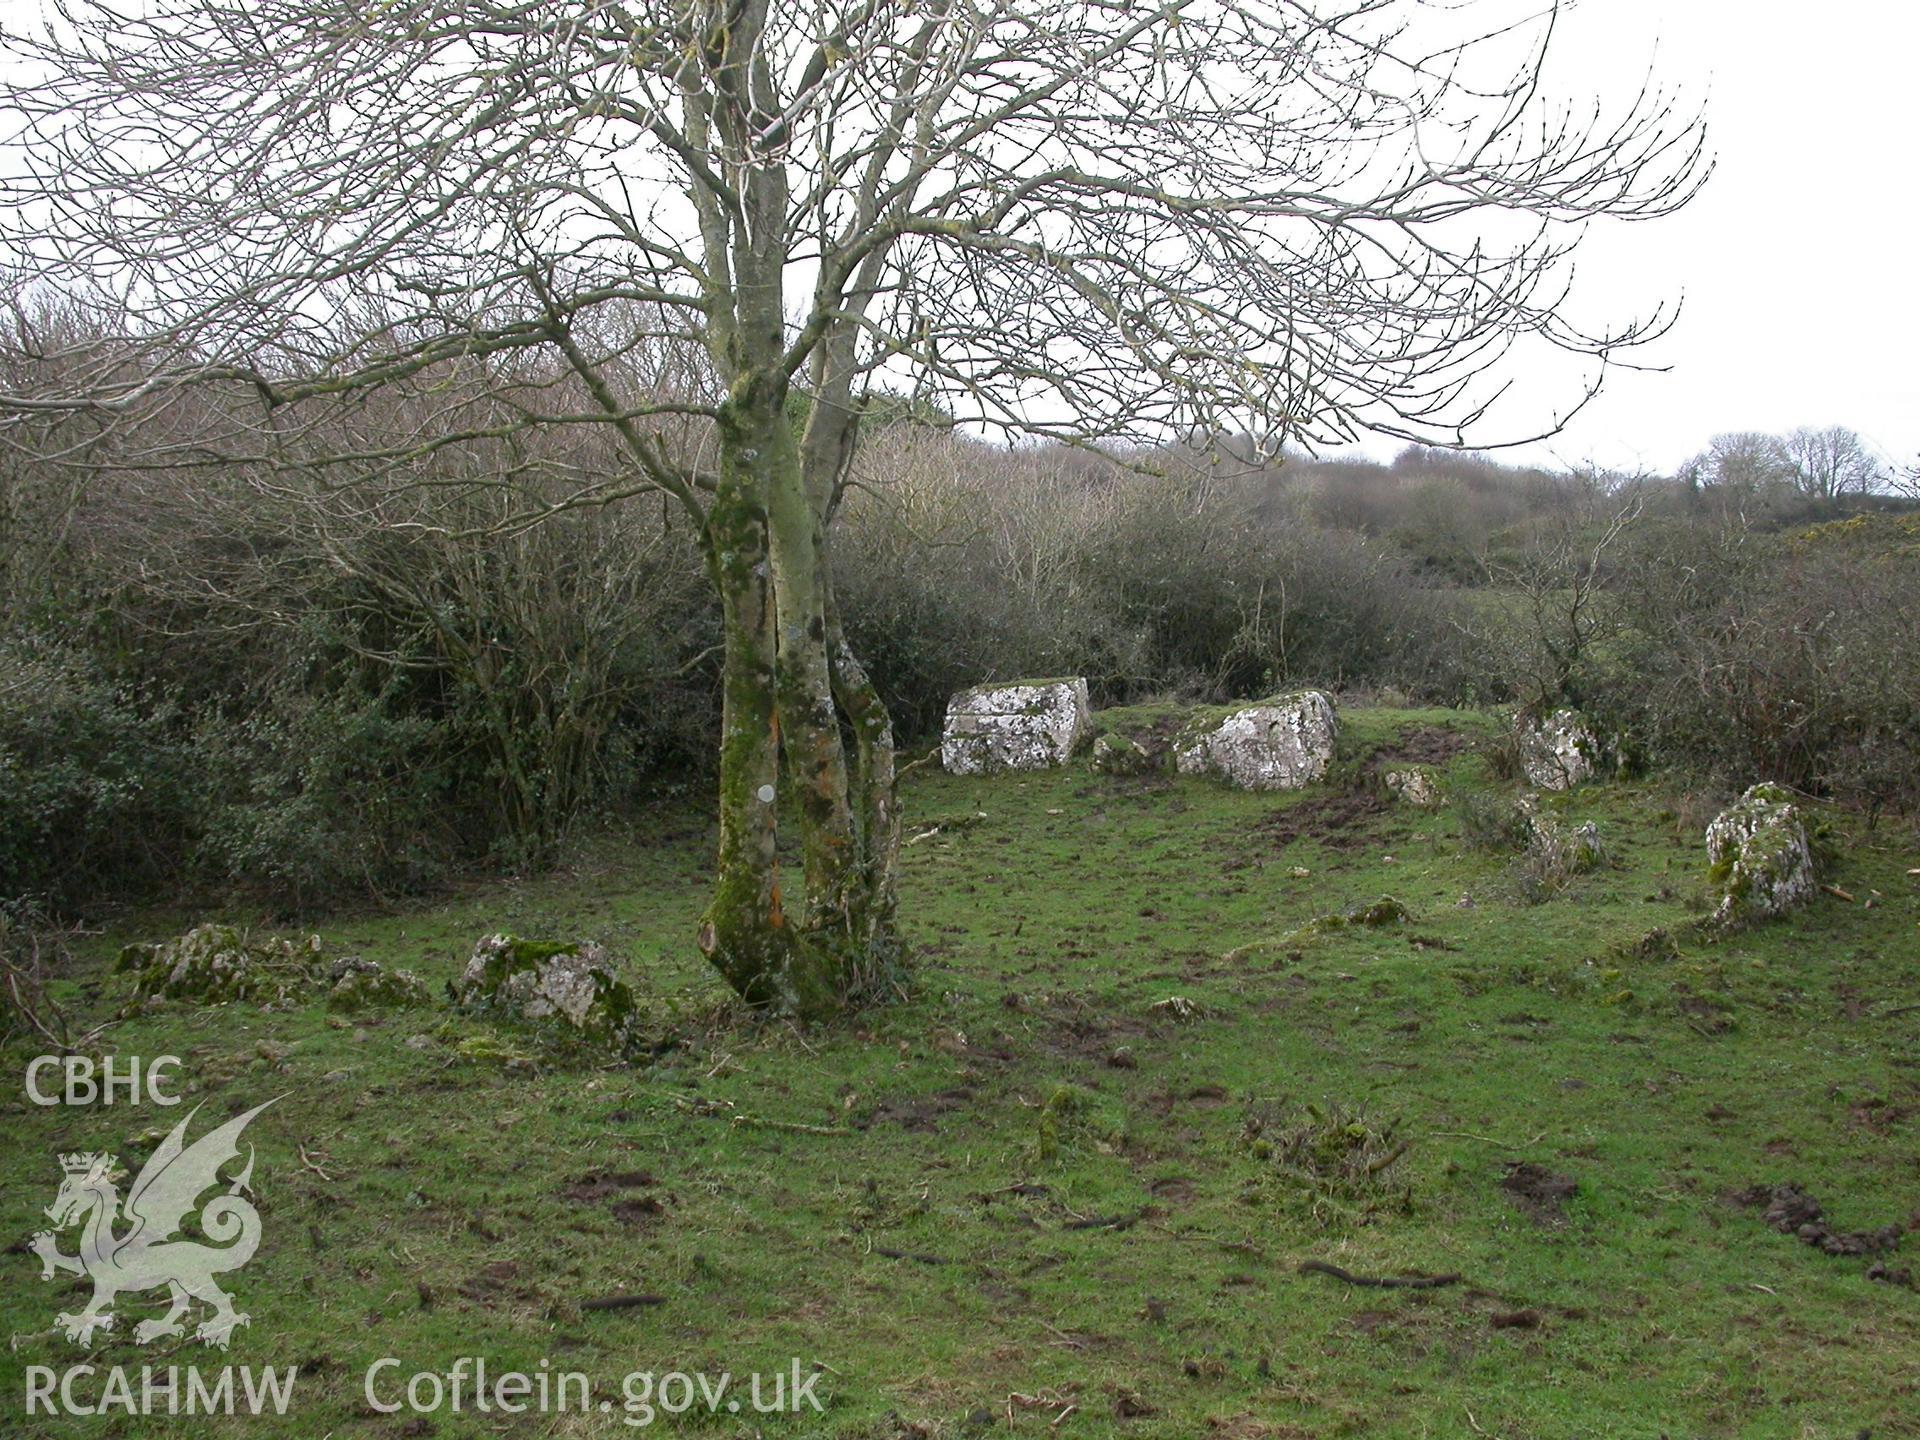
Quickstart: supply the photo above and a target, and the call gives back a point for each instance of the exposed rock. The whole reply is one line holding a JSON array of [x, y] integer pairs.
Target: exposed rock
[[1118, 755], [1384, 911], [1022, 725], [570, 987], [216, 964], [357, 984], [1415, 787], [1559, 751], [1759, 857], [1280, 744]]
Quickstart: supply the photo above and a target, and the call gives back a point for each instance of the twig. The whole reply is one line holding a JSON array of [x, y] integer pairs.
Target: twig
[[1485, 1139], [912, 765], [622, 1302], [759, 1122], [1381, 1162], [917, 1256], [1106, 1222], [1378, 1282]]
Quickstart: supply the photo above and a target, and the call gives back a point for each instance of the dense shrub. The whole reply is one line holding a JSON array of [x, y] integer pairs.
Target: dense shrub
[[1795, 658], [965, 564], [95, 788], [312, 690]]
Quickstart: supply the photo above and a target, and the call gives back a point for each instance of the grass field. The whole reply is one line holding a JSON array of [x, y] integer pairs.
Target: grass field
[[1035, 1198]]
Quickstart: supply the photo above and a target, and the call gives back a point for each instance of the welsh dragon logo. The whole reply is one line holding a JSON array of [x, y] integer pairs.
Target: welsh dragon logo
[[146, 1254]]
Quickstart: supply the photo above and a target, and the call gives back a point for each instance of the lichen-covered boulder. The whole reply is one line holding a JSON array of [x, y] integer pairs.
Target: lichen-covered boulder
[[1120, 755], [1021, 725], [1558, 751], [1413, 786], [354, 983], [1279, 744], [218, 964], [1759, 857], [568, 988]]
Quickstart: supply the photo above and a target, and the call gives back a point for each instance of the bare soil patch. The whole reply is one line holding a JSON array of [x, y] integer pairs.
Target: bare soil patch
[[1541, 1194]]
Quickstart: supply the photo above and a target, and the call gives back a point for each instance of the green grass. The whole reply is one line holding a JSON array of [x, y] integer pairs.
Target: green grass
[[973, 1124]]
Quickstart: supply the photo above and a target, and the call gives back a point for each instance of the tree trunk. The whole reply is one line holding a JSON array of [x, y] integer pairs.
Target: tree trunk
[[789, 680]]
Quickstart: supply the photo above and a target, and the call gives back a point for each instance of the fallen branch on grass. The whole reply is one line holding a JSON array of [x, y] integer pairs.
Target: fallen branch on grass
[[1378, 1282], [622, 1302], [917, 1256], [793, 1127], [1106, 1222]]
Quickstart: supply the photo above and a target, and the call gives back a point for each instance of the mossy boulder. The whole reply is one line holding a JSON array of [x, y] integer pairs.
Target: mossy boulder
[[1114, 754], [354, 983], [219, 964], [1759, 857], [1282, 743], [568, 989]]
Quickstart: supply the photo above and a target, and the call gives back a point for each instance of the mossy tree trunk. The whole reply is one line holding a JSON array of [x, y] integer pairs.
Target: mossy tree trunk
[[793, 690]]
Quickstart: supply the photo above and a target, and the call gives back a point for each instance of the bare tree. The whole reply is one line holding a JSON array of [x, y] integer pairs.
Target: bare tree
[[1559, 581], [1745, 463], [1090, 219], [1832, 463]]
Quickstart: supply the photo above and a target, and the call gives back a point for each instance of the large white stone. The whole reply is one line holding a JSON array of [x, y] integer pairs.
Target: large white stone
[[1759, 856], [1280, 744], [1559, 751], [1023, 725]]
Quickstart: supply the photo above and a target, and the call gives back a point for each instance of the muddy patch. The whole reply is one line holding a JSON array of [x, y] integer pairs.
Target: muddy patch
[[491, 1283], [1073, 1030], [919, 1114], [1423, 745], [642, 1211], [1541, 1194], [599, 1185], [1792, 1211], [1339, 821], [1199, 1097]]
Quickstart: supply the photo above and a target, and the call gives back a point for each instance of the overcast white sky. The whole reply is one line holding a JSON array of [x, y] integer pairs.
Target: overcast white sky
[[1798, 260]]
